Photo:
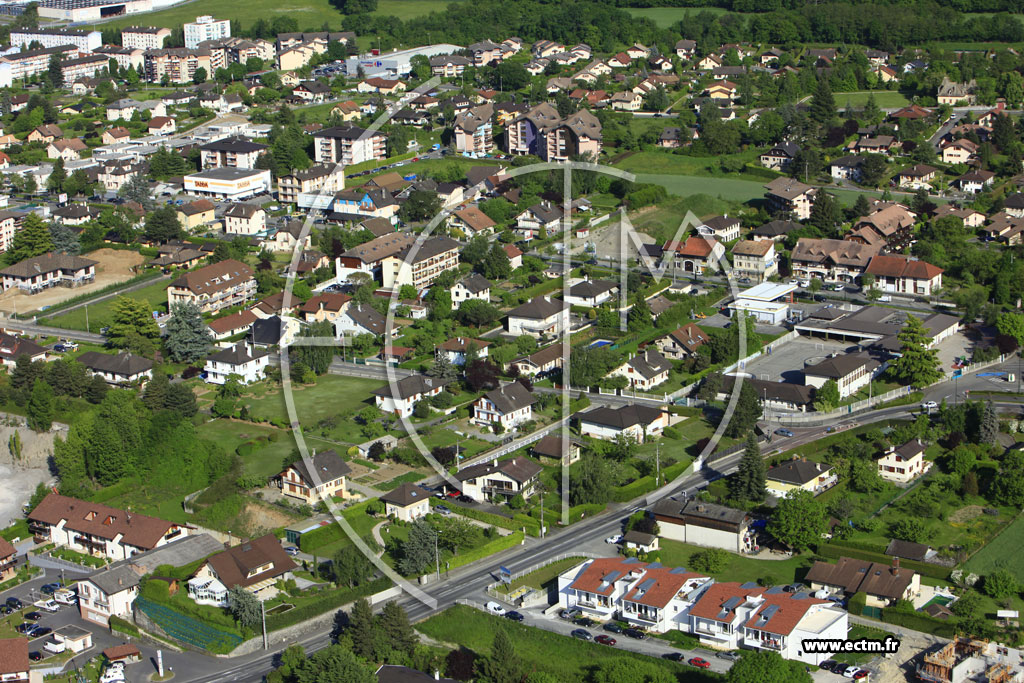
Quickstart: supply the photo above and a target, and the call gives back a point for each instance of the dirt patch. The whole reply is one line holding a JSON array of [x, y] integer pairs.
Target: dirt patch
[[966, 514], [257, 519], [114, 265]]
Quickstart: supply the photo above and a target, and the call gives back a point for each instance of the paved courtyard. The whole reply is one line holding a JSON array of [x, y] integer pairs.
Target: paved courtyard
[[786, 362]]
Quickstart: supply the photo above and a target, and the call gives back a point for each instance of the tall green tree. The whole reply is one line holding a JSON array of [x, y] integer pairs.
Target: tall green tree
[[137, 190], [351, 568], [823, 105], [763, 666], [41, 406], [799, 520], [188, 337], [918, 364], [64, 239], [826, 397], [503, 664], [826, 215], [989, 428], [162, 225], [245, 607], [748, 482], [317, 358], [157, 389], [747, 412], [32, 240], [394, 622], [131, 320], [55, 182], [363, 629], [419, 549], [639, 317]]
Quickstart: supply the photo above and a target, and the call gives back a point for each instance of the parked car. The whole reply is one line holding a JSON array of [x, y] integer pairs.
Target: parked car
[[291, 550], [614, 540], [862, 674], [635, 633], [444, 509], [700, 663], [568, 613], [840, 667], [41, 631], [805, 283], [35, 655], [14, 603], [820, 298], [828, 664], [465, 499], [612, 627], [34, 616], [585, 622], [514, 616], [674, 656], [495, 608], [604, 639], [51, 588], [851, 672], [728, 655], [582, 634], [783, 432], [25, 627]]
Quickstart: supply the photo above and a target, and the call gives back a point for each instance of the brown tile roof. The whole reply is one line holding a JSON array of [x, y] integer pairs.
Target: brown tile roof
[[902, 266], [101, 520], [235, 321], [13, 656], [328, 301], [121, 652], [667, 584], [214, 277], [860, 575], [405, 495], [712, 602], [751, 248], [463, 343], [690, 336], [234, 564], [6, 549], [600, 575], [197, 207], [476, 219], [47, 263]]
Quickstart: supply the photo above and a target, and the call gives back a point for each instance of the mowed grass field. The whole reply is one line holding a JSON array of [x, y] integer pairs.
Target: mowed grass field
[[665, 17], [100, 314], [886, 99], [726, 188], [1000, 552], [264, 461], [310, 14]]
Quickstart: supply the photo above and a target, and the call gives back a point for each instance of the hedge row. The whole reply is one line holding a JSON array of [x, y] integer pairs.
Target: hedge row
[[859, 545], [622, 494], [487, 549], [123, 625], [919, 622], [516, 523], [325, 602], [831, 551], [317, 538]]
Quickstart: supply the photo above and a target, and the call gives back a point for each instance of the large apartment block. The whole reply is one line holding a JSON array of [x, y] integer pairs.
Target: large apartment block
[[420, 263], [326, 178], [86, 41], [177, 63], [214, 287], [348, 145], [31, 62], [145, 37], [473, 130], [82, 67], [542, 132], [205, 28]]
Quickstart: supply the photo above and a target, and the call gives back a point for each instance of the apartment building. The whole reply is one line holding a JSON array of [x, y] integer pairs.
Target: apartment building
[[790, 196], [10, 223], [473, 130], [85, 41], [755, 259], [179, 64], [227, 51], [322, 178], [205, 28], [234, 152], [542, 132], [145, 37], [98, 530], [214, 287], [834, 260], [80, 68], [35, 274], [31, 62], [419, 264], [245, 219], [126, 57], [348, 145]]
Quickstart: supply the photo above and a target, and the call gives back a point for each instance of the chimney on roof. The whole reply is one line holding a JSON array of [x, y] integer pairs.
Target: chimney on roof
[[895, 566]]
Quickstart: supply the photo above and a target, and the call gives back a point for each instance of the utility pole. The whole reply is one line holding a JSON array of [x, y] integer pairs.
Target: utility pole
[[263, 618], [87, 328], [657, 464], [437, 558], [542, 512]]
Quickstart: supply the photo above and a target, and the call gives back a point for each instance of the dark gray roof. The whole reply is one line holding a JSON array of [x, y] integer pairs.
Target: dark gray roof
[[328, 465], [125, 363], [266, 332], [538, 308], [239, 354], [907, 550], [413, 385], [405, 495], [697, 509], [621, 417], [518, 469], [367, 317], [776, 228], [841, 366], [242, 210], [592, 288], [234, 144], [797, 472], [393, 673], [511, 397], [47, 263], [650, 363], [345, 133], [476, 283], [115, 579]]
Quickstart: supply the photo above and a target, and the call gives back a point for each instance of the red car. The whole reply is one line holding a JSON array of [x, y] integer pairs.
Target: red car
[[863, 673], [604, 639], [454, 494], [700, 663]]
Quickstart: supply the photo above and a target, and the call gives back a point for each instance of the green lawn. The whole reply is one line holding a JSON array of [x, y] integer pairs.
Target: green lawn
[[886, 99], [154, 295], [679, 164], [664, 17], [724, 188], [999, 552], [542, 576], [739, 568], [265, 457], [567, 659], [310, 14], [331, 397]]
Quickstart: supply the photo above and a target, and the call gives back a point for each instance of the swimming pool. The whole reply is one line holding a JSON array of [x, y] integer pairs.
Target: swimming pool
[[598, 343]]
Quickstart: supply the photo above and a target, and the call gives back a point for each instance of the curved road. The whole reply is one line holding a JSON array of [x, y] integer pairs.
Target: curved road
[[470, 581]]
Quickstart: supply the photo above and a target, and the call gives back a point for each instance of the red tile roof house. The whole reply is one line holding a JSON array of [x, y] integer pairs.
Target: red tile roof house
[[681, 343], [696, 255], [99, 530], [904, 275]]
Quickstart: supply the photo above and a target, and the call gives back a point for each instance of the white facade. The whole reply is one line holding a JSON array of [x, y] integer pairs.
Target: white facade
[[218, 183], [205, 28], [86, 41], [97, 606], [248, 371]]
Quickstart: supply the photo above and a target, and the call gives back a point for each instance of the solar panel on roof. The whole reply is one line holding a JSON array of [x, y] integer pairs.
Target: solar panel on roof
[[766, 614], [630, 560], [748, 585], [732, 603], [774, 590], [647, 585], [677, 570], [800, 596], [611, 577], [654, 565]]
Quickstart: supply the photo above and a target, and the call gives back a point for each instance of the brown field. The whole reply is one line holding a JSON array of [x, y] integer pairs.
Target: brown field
[[114, 266]]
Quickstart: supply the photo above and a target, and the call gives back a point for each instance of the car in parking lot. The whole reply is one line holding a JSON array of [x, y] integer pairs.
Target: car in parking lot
[[674, 656], [699, 662], [443, 509], [820, 298], [604, 639], [41, 631], [614, 540], [582, 634], [51, 588], [514, 616], [728, 655], [26, 627], [291, 550], [861, 675], [35, 656], [14, 603], [569, 614], [828, 664], [612, 627], [635, 633], [782, 431], [34, 616], [495, 608], [585, 622], [805, 283], [840, 667], [465, 499], [852, 672]]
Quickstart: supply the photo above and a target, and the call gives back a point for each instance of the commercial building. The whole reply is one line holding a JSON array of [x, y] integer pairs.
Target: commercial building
[[704, 524], [205, 28], [397, 63], [90, 11], [228, 183]]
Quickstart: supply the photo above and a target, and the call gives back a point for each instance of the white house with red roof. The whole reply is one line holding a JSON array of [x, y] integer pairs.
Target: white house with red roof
[[897, 274], [725, 616], [696, 255]]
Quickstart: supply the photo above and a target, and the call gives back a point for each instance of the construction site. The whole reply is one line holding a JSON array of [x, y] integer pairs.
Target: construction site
[[972, 661]]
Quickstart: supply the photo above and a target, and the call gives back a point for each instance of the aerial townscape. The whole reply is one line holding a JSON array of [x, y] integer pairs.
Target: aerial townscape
[[398, 341]]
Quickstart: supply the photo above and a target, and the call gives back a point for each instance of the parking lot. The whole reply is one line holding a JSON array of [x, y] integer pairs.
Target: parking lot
[[786, 362]]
